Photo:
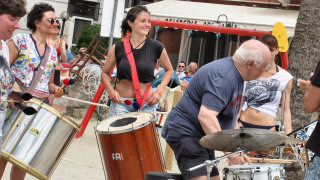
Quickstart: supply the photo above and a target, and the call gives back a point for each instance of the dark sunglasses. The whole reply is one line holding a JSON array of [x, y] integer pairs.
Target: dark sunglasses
[[181, 66], [52, 21]]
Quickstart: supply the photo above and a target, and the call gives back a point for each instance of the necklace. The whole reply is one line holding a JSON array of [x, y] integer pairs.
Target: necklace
[[138, 44]]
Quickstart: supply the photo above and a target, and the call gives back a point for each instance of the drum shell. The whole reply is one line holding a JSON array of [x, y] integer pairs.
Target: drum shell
[[255, 171], [130, 155], [37, 143]]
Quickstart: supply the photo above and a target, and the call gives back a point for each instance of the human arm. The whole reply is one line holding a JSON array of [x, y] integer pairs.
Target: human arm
[[285, 110], [62, 44], [168, 71], [54, 89], [210, 124], [312, 99], [110, 62]]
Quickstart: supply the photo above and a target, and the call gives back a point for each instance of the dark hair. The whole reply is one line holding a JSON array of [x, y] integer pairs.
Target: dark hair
[[131, 16], [36, 13], [15, 8], [183, 63], [269, 40]]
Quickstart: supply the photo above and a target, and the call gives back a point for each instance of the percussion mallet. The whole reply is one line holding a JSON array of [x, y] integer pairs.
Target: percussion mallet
[[28, 110], [66, 82], [24, 96], [127, 101]]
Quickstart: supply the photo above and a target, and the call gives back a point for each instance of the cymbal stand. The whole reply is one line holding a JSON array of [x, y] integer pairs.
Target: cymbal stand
[[211, 163]]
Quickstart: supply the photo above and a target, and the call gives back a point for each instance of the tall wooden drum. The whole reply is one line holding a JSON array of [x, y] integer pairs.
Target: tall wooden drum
[[129, 145]]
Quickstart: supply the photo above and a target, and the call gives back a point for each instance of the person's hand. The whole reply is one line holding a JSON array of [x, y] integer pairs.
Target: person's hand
[[114, 96], [14, 97], [237, 159], [154, 99], [58, 92], [304, 85]]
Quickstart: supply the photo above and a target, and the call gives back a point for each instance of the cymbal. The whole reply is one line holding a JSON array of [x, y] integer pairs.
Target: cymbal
[[252, 139]]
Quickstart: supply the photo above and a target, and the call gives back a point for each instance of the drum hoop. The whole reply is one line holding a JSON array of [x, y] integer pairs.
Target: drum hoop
[[265, 167], [56, 112], [129, 128], [22, 165]]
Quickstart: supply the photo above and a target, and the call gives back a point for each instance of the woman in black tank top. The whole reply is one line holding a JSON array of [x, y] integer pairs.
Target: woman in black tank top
[[146, 52]]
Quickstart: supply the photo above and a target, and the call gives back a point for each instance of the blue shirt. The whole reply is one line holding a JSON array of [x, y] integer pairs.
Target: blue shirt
[[69, 55], [217, 85]]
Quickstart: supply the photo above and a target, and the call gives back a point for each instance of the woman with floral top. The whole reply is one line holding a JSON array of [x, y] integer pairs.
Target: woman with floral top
[[32, 61]]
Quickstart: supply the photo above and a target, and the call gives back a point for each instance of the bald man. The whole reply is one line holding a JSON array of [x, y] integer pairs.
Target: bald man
[[194, 67], [210, 104]]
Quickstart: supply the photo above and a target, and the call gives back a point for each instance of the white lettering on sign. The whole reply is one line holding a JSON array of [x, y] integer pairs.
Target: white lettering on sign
[[117, 156]]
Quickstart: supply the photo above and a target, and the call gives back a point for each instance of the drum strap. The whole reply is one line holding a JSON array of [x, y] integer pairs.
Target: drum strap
[[134, 75], [37, 74]]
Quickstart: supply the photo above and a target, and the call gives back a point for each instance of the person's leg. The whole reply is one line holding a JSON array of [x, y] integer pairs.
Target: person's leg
[[17, 174], [3, 164], [189, 153]]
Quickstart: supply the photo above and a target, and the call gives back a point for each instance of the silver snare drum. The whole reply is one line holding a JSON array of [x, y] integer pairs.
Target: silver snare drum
[[37, 143], [256, 171]]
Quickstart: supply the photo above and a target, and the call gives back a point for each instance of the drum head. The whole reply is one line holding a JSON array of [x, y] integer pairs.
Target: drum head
[[124, 123]]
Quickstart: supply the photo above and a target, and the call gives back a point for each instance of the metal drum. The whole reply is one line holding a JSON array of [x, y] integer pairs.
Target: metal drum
[[129, 145], [36, 143], [256, 171]]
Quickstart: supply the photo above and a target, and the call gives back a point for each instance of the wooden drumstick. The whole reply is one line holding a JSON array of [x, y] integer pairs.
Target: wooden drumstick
[[86, 102]]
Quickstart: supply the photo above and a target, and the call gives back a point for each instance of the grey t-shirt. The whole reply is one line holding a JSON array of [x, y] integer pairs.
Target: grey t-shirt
[[217, 85]]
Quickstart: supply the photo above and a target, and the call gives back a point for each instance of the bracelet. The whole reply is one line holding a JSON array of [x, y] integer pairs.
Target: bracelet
[[158, 92]]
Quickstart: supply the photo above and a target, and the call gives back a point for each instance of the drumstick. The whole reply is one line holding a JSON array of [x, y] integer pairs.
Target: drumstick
[[267, 160], [86, 102], [9, 101], [28, 110], [24, 96]]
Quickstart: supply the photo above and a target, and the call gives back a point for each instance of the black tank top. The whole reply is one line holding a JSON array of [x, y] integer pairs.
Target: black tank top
[[145, 59]]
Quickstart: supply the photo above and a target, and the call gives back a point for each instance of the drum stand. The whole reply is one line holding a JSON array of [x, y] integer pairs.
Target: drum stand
[[213, 163]]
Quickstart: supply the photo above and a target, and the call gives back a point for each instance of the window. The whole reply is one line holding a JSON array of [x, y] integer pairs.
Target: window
[[83, 8]]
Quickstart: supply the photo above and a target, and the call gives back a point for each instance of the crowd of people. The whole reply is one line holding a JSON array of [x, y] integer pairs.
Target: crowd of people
[[243, 90]]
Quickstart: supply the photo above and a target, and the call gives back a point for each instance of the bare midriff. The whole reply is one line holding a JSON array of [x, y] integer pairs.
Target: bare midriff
[[125, 89], [256, 117]]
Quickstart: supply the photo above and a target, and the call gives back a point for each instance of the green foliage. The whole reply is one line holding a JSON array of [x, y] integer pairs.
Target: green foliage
[[88, 34]]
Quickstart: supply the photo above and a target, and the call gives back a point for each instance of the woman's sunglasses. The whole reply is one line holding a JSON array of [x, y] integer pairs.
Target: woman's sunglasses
[[52, 21]]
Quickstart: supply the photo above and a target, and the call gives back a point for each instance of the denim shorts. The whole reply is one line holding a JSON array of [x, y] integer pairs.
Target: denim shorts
[[121, 108], [313, 172]]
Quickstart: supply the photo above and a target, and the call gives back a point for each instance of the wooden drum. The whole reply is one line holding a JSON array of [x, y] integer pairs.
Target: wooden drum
[[129, 145]]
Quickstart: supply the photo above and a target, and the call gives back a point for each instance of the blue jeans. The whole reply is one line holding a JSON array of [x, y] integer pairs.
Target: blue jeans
[[313, 172], [121, 108]]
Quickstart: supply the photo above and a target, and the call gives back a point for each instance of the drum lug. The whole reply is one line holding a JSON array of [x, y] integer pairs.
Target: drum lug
[[251, 174], [269, 173], [282, 172]]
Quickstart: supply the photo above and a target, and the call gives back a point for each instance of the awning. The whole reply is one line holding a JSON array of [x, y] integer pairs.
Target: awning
[[208, 13]]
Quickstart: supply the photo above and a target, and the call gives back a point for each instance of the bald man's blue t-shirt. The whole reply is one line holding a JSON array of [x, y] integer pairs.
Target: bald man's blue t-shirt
[[217, 85]]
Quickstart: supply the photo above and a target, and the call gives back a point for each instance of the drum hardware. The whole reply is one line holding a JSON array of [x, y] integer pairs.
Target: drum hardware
[[252, 138], [213, 163]]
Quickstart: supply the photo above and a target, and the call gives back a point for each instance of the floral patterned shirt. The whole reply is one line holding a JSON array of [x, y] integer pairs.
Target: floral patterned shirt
[[28, 61]]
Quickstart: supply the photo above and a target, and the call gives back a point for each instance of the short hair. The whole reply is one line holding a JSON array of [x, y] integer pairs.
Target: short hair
[[36, 13], [183, 63], [269, 40], [131, 16], [248, 52], [83, 48], [16, 8]]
